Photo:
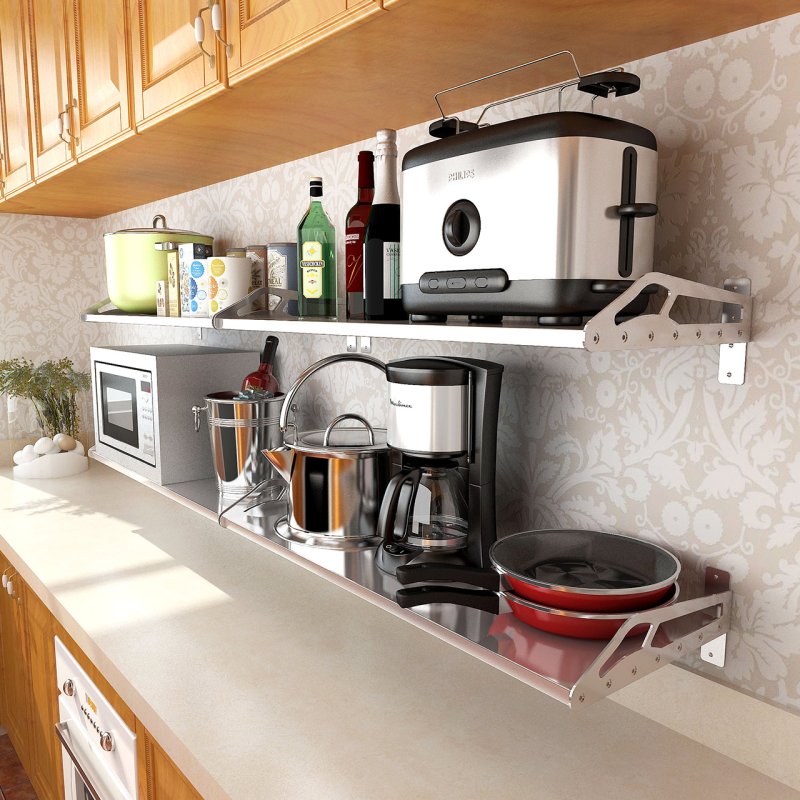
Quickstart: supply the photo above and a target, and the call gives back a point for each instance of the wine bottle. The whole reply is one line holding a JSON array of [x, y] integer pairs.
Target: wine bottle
[[355, 225], [382, 236], [316, 260], [263, 379]]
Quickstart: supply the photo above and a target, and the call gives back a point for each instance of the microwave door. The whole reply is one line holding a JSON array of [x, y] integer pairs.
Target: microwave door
[[119, 409]]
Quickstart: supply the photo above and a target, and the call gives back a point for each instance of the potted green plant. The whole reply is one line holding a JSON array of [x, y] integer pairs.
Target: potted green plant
[[52, 387]]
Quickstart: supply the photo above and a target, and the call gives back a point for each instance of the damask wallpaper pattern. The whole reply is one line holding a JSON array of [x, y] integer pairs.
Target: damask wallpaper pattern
[[647, 443]]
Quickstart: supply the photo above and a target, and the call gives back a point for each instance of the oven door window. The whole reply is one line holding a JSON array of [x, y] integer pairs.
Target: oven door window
[[119, 411]]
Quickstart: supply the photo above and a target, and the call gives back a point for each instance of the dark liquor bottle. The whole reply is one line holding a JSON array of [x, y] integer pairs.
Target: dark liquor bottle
[[382, 236], [356, 222], [262, 379], [316, 260]]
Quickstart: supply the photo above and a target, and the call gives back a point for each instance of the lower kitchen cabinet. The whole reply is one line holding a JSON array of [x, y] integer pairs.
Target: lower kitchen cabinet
[[16, 686], [29, 699], [44, 770], [157, 772]]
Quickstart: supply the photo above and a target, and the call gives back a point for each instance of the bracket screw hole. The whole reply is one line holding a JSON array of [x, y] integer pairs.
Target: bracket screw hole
[[596, 338], [624, 337], [634, 670], [729, 374], [675, 335], [680, 647], [719, 333], [651, 336], [581, 698], [741, 333], [608, 684], [658, 659], [699, 334]]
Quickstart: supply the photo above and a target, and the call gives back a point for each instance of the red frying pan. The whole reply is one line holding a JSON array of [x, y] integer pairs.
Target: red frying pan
[[580, 624], [568, 569]]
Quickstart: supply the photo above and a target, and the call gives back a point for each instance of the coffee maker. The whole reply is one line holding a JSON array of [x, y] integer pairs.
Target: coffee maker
[[442, 427]]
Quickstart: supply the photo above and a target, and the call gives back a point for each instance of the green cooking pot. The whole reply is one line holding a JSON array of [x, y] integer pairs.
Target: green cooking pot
[[134, 265]]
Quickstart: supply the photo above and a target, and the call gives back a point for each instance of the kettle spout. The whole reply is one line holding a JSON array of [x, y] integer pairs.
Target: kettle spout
[[281, 458]]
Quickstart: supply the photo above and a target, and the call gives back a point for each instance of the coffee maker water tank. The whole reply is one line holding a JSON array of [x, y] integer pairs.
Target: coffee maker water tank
[[428, 407]]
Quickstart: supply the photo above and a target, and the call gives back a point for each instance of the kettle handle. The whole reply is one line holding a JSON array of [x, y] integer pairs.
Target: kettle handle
[[391, 510], [289, 399]]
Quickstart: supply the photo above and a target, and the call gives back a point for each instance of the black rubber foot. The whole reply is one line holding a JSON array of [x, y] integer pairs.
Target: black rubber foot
[[427, 318], [486, 319], [560, 322]]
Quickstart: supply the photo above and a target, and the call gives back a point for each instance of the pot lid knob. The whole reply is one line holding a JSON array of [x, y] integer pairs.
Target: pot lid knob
[[158, 217]]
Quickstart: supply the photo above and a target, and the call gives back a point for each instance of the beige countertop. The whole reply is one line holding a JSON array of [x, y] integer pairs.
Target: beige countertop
[[264, 680]]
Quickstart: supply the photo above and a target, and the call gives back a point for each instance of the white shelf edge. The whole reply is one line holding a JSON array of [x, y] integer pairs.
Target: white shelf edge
[[451, 332]]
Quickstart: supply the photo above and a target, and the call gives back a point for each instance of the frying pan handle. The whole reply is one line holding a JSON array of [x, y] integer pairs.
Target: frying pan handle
[[391, 510], [481, 599], [431, 571]]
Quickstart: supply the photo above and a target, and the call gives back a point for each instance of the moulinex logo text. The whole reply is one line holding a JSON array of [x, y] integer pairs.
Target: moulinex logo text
[[400, 404], [461, 175]]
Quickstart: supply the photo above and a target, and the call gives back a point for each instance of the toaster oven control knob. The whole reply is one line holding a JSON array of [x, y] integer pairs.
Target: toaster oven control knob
[[461, 227], [68, 688], [106, 741]]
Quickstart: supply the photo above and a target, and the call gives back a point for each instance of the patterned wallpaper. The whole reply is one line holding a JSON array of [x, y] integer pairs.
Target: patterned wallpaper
[[647, 443]]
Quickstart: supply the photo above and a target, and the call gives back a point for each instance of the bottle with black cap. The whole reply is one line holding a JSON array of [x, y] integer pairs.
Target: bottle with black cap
[[382, 236], [316, 260]]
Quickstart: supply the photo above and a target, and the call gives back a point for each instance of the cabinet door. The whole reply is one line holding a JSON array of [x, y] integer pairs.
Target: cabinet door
[[48, 85], [260, 28], [99, 70], [159, 778], [45, 769], [169, 71], [15, 134], [16, 687]]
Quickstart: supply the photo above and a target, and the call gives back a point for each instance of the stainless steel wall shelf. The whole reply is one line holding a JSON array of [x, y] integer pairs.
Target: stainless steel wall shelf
[[576, 672], [602, 332]]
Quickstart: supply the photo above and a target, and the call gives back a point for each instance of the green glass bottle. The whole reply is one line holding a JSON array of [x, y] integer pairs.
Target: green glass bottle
[[316, 260]]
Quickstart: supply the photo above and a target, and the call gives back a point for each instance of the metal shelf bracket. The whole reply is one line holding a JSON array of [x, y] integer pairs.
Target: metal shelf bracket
[[658, 329], [672, 631]]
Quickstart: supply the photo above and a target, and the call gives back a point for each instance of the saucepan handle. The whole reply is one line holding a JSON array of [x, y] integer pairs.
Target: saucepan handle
[[481, 599], [454, 573]]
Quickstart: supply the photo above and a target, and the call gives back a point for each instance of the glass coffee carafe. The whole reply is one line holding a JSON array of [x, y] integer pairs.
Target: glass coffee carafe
[[426, 509]]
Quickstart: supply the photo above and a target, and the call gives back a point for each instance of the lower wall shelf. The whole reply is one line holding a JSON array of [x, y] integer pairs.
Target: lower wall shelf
[[575, 672]]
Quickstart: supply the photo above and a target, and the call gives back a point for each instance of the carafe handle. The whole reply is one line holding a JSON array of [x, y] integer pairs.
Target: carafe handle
[[391, 509]]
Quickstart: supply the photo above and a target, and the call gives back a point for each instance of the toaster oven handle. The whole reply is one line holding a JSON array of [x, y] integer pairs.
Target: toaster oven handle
[[637, 210]]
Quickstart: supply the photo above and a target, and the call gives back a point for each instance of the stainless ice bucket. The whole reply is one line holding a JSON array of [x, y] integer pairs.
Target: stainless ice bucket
[[240, 430]]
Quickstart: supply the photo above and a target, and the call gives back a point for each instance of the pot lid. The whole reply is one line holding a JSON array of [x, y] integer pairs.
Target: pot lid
[[341, 442], [162, 229]]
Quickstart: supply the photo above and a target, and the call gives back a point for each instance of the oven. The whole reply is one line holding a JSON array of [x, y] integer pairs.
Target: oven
[[98, 749]]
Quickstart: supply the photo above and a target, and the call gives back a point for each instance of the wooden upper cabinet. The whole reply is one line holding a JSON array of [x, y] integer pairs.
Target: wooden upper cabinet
[[261, 30], [48, 85], [169, 71], [99, 72], [15, 134]]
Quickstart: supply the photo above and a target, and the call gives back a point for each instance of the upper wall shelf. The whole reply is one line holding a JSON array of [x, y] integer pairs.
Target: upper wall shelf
[[601, 333], [182, 135]]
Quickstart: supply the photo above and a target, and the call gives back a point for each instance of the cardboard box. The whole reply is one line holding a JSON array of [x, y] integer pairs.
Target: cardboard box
[[191, 303], [173, 284]]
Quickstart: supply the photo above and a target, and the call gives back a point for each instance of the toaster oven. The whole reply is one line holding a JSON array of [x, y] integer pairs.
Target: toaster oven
[[549, 216]]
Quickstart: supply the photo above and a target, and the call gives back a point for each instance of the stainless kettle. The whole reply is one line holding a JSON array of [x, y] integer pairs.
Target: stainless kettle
[[337, 476]]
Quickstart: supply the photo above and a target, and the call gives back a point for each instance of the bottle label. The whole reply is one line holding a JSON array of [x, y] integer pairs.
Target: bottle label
[[391, 270], [312, 265], [354, 256]]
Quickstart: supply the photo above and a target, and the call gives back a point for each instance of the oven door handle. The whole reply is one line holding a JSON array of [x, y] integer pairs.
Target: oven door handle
[[62, 731]]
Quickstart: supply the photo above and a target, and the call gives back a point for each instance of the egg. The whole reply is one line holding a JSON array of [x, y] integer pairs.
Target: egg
[[27, 454], [64, 442], [43, 446], [79, 448], [19, 457]]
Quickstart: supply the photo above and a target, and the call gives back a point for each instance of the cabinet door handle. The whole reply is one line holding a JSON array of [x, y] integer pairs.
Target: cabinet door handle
[[62, 731], [64, 125], [216, 25], [4, 579]]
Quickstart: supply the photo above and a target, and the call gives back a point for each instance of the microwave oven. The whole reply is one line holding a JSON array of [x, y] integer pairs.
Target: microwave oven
[[143, 398]]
